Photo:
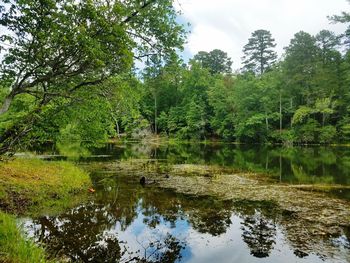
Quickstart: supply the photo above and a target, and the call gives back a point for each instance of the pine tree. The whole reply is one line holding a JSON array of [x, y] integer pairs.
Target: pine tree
[[258, 53]]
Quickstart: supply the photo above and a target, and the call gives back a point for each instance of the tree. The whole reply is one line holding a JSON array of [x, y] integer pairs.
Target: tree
[[221, 99], [196, 118], [329, 75], [327, 42], [189, 118], [300, 66], [343, 18], [258, 53], [60, 47], [162, 83], [216, 61]]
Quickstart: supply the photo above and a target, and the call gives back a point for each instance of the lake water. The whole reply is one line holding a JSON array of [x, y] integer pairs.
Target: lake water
[[126, 222]]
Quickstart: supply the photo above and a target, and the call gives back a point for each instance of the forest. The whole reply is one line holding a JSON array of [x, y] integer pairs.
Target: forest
[[116, 145], [72, 86]]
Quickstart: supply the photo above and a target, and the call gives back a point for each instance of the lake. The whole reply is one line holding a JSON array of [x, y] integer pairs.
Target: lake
[[124, 221]]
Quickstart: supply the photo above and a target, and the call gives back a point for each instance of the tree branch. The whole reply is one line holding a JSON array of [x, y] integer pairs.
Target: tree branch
[[87, 83], [135, 13]]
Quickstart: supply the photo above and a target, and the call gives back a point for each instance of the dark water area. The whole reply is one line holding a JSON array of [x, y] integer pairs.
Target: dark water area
[[126, 222]]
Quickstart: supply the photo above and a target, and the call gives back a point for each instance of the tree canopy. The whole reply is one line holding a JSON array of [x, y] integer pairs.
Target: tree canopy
[[216, 61], [259, 54], [58, 47], [68, 75]]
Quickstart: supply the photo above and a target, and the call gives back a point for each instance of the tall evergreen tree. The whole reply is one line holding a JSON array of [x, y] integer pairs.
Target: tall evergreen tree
[[327, 42], [300, 67], [259, 53], [345, 19]]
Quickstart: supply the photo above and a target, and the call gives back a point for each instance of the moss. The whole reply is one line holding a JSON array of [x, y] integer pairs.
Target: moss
[[32, 184], [14, 248]]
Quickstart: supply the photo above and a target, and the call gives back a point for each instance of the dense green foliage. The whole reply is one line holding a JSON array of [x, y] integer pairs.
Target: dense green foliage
[[303, 98], [216, 61], [64, 60], [78, 87]]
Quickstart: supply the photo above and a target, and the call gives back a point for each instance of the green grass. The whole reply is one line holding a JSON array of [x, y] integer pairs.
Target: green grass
[[32, 184], [14, 248], [29, 186]]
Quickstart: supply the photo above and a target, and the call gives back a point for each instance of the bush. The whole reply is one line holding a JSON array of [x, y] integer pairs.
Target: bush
[[307, 133], [327, 134]]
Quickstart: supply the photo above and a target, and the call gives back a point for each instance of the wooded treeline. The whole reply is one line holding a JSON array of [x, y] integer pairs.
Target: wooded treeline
[[67, 75], [301, 98]]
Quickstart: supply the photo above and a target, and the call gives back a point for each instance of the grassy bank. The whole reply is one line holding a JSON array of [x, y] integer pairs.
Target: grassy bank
[[27, 185], [14, 248]]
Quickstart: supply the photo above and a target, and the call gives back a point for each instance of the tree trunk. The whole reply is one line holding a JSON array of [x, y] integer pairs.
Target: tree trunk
[[117, 125], [291, 107], [280, 113], [155, 115], [323, 119], [12, 137], [6, 105]]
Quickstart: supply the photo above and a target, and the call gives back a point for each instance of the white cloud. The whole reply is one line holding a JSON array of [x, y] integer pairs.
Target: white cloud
[[227, 24]]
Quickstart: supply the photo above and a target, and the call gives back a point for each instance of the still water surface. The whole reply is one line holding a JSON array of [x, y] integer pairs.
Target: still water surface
[[125, 222]]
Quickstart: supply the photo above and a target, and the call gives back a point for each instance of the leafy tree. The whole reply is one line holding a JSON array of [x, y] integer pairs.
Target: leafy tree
[[221, 99], [257, 107], [216, 61], [327, 134], [61, 47], [162, 85], [196, 118], [308, 132], [259, 55], [123, 96]]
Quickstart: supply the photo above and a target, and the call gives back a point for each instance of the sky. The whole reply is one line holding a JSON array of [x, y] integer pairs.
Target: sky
[[227, 24]]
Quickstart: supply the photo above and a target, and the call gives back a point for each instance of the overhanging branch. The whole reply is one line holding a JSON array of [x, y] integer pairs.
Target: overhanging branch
[[135, 13]]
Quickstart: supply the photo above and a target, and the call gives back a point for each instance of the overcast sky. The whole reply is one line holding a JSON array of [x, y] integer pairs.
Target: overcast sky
[[227, 24]]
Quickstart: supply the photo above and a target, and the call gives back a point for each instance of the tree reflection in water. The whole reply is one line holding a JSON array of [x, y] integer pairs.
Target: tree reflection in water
[[258, 226], [91, 232], [125, 222], [259, 234], [85, 234]]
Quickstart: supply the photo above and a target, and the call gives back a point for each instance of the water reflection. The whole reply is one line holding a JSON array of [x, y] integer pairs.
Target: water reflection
[[258, 226], [125, 222], [325, 165], [304, 165]]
